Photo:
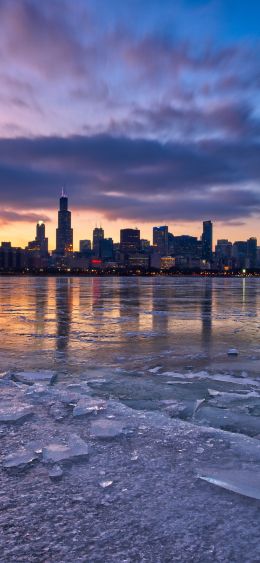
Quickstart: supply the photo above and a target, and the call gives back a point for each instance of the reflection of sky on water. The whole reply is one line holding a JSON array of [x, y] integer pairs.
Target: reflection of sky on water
[[71, 323]]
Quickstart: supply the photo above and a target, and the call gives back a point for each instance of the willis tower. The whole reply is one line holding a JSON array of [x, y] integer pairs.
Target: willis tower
[[64, 232]]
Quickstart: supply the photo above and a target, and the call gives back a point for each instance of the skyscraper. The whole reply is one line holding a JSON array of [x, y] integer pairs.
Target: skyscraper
[[129, 240], [40, 243], [40, 237], [98, 235], [207, 237], [64, 232], [251, 252], [160, 240]]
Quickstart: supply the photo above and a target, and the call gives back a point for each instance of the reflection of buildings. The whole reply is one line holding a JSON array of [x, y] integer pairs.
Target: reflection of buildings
[[41, 303], [64, 301], [161, 303], [97, 294], [206, 313]]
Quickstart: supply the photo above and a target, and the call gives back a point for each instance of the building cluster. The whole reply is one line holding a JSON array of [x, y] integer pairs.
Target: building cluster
[[167, 252]]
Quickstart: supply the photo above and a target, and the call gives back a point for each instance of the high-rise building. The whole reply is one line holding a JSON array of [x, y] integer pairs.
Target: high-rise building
[[106, 249], [129, 240], [64, 232], [98, 235], [40, 243], [223, 253], [185, 245], [145, 245], [207, 238], [85, 246], [160, 240], [239, 254], [251, 260], [41, 238]]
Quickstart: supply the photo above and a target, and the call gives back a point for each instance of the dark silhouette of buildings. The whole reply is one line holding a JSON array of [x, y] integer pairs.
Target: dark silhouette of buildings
[[64, 232], [176, 254]]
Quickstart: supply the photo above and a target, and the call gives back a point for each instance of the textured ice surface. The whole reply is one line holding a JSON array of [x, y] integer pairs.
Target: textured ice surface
[[31, 377], [19, 459], [15, 412], [57, 452], [105, 428], [228, 420], [240, 481]]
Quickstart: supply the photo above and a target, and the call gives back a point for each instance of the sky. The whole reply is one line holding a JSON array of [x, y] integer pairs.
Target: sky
[[147, 112]]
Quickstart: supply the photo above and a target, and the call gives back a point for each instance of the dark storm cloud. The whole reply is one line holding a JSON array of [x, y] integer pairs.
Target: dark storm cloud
[[128, 178], [168, 109]]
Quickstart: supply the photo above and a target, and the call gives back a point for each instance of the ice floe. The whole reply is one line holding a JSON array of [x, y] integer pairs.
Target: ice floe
[[56, 452], [244, 482]]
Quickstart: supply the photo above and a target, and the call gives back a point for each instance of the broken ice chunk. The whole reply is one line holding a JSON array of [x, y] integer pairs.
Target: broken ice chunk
[[17, 412], [89, 405], [20, 459], [232, 352], [81, 388], [31, 377], [75, 450], [241, 481], [106, 429], [56, 473], [228, 420]]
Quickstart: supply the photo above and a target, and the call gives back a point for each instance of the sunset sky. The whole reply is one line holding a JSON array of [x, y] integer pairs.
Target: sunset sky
[[146, 111]]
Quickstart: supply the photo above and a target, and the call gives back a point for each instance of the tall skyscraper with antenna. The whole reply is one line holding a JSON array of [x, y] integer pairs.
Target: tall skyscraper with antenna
[[64, 232]]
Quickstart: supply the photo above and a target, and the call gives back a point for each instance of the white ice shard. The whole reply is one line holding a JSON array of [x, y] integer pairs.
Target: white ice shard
[[244, 482], [75, 450], [31, 377], [105, 428], [88, 405], [16, 412], [105, 484], [232, 352], [155, 370]]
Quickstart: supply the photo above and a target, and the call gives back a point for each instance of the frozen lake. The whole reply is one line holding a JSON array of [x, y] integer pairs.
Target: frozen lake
[[129, 432], [153, 343]]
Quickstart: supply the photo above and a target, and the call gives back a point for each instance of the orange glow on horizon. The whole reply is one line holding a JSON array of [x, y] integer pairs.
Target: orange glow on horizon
[[83, 223]]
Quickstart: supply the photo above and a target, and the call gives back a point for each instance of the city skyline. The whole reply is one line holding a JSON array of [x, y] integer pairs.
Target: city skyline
[[142, 122], [74, 243]]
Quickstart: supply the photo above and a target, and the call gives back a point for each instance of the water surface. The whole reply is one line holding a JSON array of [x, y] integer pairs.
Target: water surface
[[142, 340]]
